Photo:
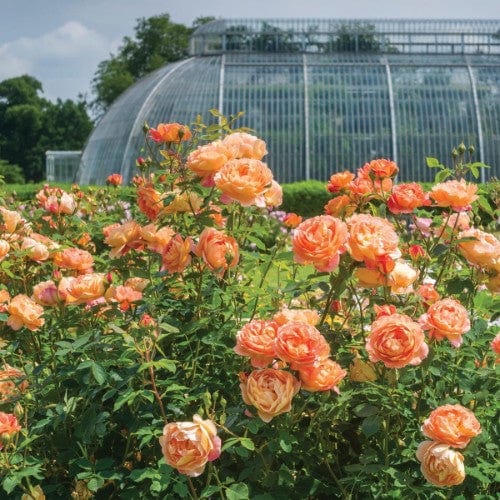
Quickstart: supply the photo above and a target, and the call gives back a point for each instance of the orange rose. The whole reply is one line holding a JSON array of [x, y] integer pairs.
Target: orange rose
[[323, 377], [495, 346], [208, 159], [483, 251], [300, 344], [446, 318], [75, 259], [362, 371], [441, 465], [385, 310], [292, 220], [170, 132], [4, 249], [137, 284], [339, 181], [124, 295], [405, 198], [369, 278], [12, 382], [319, 241], [270, 391], [256, 340], [84, 288], [274, 195], [8, 426], [380, 167], [218, 250], [157, 239], [177, 254], [183, 202], [150, 201], [35, 250], [11, 221], [114, 179], [363, 186], [428, 293], [244, 181], [123, 237], [401, 278], [243, 145], [286, 315], [24, 312], [45, 293], [397, 341], [453, 425], [455, 194], [340, 206], [371, 237], [188, 446]]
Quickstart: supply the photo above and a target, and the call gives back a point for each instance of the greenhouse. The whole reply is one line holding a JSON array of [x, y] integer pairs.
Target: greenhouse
[[325, 95]]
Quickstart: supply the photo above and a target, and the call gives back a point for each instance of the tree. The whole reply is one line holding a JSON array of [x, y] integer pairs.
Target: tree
[[359, 37], [30, 124], [157, 41]]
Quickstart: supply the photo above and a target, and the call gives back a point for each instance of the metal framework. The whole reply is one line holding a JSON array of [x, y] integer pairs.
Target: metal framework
[[384, 95], [62, 166]]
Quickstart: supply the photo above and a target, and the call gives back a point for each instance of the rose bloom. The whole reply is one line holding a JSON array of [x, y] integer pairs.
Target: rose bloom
[[323, 377], [441, 465], [422, 226], [177, 255], [188, 446], [319, 241], [369, 278], [35, 250], [417, 252], [362, 371], [405, 198], [493, 284], [371, 237], [11, 220], [292, 220], [8, 426], [156, 239], [270, 391], [455, 194], [286, 315], [149, 201], [428, 293], [256, 340], [208, 159], [45, 293], [300, 344], [137, 284], [339, 181], [340, 206], [446, 318], [484, 251], [401, 278], [453, 425], [12, 382], [114, 179], [83, 288], [183, 202], [495, 344], [60, 202], [75, 259], [384, 310], [170, 132], [123, 237], [243, 145], [122, 294], [397, 341], [244, 181], [380, 167], [4, 300], [26, 312], [274, 195], [4, 249], [218, 250]]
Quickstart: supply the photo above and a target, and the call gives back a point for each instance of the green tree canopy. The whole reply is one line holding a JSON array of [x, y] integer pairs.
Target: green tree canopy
[[30, 124], [157, 41]]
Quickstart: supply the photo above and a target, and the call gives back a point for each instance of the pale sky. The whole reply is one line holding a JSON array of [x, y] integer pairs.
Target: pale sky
[[61, 42]]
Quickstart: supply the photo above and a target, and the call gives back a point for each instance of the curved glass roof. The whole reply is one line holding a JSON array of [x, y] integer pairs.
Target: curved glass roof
[[324, 111]]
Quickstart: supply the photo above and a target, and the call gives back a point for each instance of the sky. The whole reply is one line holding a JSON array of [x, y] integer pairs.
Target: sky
[[61, 42]]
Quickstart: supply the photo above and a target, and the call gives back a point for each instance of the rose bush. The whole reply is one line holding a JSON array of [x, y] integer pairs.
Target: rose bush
[[194, 341]]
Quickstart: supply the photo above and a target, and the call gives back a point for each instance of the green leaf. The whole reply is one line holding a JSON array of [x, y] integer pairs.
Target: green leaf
[[365, 410], [247, 443], [442, 175], [98, 373], [483, 203], [433, 162], [371, 425], [237, 491]]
